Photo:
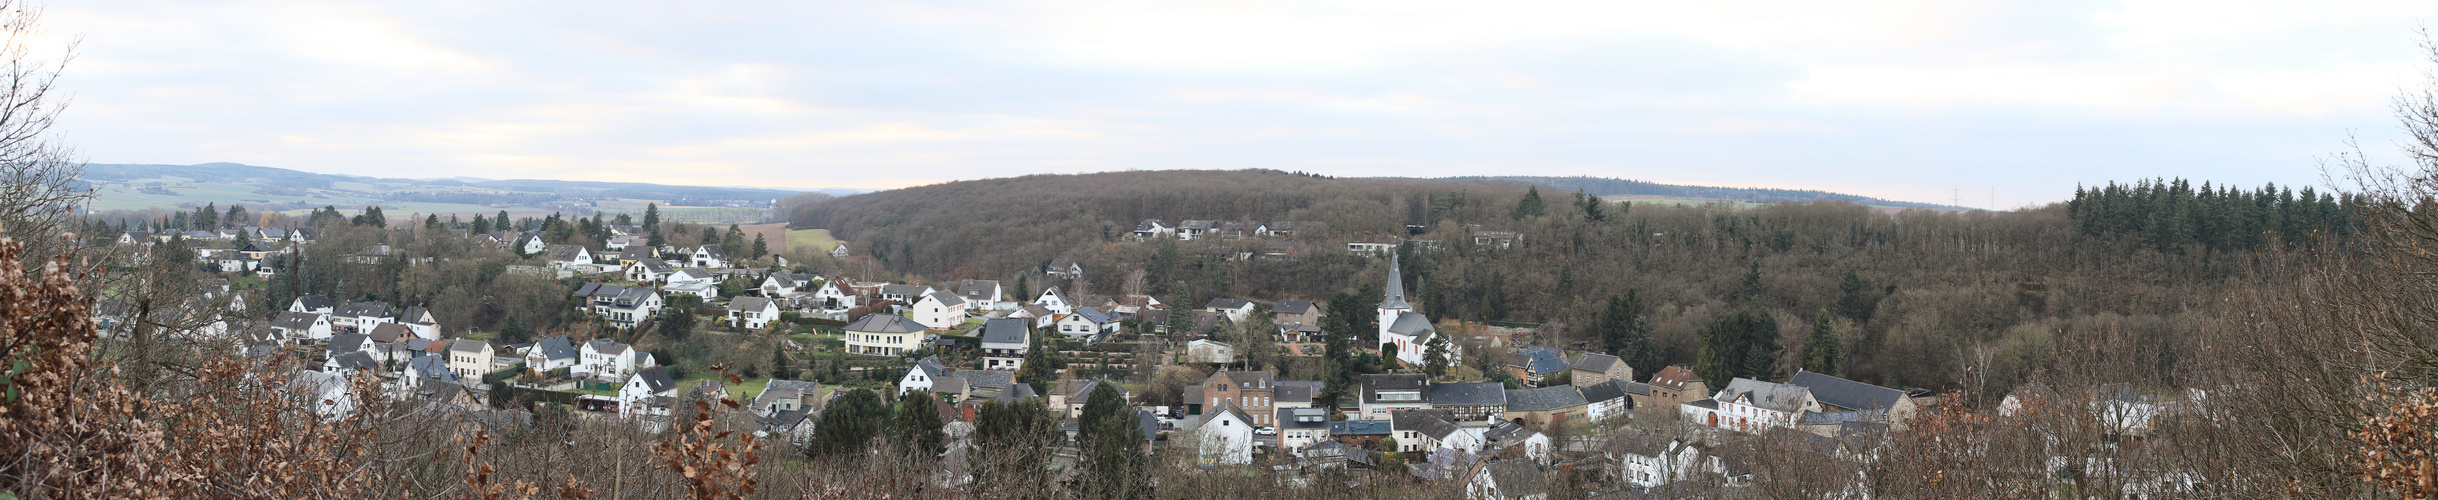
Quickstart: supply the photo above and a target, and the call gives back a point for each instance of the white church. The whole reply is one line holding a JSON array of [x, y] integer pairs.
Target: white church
[[1402, 329]]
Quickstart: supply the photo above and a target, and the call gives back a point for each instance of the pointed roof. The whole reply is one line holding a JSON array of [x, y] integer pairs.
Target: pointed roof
[[1395, 296]]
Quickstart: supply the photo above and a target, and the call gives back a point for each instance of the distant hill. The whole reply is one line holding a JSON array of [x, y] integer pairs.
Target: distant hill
[[145, 186], [1626, 187]]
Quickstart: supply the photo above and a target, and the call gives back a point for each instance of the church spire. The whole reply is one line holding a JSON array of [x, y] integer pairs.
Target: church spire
[[1395, 297]]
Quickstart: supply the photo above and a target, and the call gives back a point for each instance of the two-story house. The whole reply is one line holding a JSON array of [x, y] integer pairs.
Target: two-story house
[[939, 310], [1088, 325], [1594, 369], [979, 295], [709, 256], [1673, 386], [607, 359], [570, 257], [470, 358], [649, 392], [884, 334], [787, 284], [1255, 392], [1295, 312], [1005, 343], [1054, 301], [1387, 393], [830, 297], [649, 271], [752, 313], [1470, 402], [551, 353], [299, 327], [360, 316], [1751, 406], [625, 306]]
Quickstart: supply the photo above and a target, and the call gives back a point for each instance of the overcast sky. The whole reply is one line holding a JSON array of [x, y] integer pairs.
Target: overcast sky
[[1905, 100]]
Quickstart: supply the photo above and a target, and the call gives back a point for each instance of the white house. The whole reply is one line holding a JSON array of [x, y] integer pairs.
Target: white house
[[299, 327], [551, 353], [1153, 228], [904, 293], [638, 396], [1235, 310], [752, 313], [532, 244], [785, 284], [1649, 461], [1225, 437], [1612, 399], [710, 256], [1208, 351], [648, 270], [360, 316], [694, 281], [606, 359], [979, 295], [1508, 480], [570, 256], [326, 393], [921, 378], [625, 306], [1088, 325], [425, 369], [1751, 406], [831, 298], [1057, 303], [317, 304], [1005, 343], [840, 252], [939, 310]]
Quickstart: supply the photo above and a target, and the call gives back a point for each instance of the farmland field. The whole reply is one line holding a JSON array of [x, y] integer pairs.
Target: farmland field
[[818, 240]]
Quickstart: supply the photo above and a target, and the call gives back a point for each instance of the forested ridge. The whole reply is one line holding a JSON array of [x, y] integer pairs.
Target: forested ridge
[[1916, 298]]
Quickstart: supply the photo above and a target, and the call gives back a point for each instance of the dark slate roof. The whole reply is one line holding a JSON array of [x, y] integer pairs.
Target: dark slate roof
[[696, 273], [1148, 423], [1411, 324], [979, 290], [1507, 433], [1006, 331], [1773, 396], [714, 251], [1475, 394], [656, 379], [1359, 428], [988, 379], [390, 332], [1847, 394], [655, 266], [1839, 417], [1596, 362], [1093, 315], [431, 367], [313, 302], [752, 304], [1604, 391], [463, 345], [1544, 360], [375, 309], [884, 323], [1373, 384], [566, 252], [1225, 304], [607, 346], [1296, 391], [295, 320], [1545, 398], [345, 342], [1635, 388], [946, 299], [586, 290], [1437, 424], [356, 359], [555, 347], [1287, 418], [908, 290], [1292, 307], [1014, 392], [931, 367]]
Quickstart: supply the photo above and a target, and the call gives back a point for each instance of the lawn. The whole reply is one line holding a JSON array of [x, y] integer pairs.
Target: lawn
[[818, 240]]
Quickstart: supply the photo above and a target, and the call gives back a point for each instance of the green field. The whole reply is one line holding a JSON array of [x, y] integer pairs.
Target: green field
[[818, 240]]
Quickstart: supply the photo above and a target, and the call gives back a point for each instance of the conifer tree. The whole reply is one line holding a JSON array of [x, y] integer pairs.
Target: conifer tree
[[1435, 355], [651, 216], [1824, 352], [1112, 444], [760, 247], [919, 428]]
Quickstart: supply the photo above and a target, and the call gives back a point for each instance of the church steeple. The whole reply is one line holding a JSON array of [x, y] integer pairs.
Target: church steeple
[[1395, 298]]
